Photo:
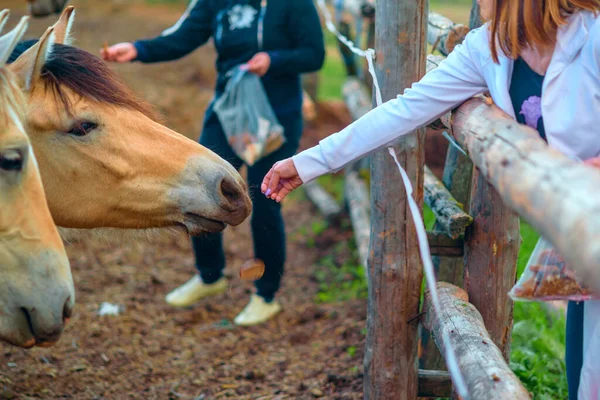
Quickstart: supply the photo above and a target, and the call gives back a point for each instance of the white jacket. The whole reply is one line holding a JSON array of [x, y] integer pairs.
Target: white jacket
[[570, 99]]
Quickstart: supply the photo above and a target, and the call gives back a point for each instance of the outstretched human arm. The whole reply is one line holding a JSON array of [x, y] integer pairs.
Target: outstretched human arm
[[456, 79], [192, 30]]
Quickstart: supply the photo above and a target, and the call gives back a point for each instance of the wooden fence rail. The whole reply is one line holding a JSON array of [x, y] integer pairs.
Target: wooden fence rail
[[481, 362], [509, 172], [554, 193]]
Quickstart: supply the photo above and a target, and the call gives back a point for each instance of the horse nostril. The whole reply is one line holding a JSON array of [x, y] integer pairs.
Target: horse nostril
[[231, 191], [28, 318], [67, 310]]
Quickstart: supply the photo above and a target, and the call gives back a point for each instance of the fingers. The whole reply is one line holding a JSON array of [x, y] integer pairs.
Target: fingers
[[122, 52], [259, 64], [265, 183], [282, 193], [273, 183], [109, 54]]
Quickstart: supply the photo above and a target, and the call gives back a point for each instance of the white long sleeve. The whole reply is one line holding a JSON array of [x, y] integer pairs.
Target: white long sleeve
[[456, 79]]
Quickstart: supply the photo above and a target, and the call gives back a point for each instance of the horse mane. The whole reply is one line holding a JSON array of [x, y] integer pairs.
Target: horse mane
[[11, 97], [87, 76]]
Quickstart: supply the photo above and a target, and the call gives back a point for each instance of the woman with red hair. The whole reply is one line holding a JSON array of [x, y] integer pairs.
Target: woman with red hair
[[539, 60]]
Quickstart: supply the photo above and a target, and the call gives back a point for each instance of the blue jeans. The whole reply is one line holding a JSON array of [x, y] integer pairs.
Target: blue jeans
[[574, 346], [268, 231]]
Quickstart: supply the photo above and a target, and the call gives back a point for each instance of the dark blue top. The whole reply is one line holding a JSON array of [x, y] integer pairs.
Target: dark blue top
[[291, 35], [526, 93]]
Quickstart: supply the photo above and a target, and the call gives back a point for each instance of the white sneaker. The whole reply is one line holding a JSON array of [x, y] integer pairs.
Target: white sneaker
[[257, 311], [194, 290]]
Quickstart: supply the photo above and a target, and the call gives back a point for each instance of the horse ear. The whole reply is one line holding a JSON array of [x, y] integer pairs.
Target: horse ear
[[3, 18], [11, 39], [28, 67], [62, 27]]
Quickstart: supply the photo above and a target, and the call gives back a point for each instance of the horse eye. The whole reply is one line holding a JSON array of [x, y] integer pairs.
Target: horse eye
[[82, 128], [11, 160]]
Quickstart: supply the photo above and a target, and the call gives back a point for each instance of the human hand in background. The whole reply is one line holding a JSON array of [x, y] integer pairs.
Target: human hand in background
[[259, 64], [121, 52]]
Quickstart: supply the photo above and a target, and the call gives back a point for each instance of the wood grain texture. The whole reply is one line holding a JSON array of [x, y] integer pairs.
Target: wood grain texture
[[394, 264], [482, 364], [443, 34], [359, 207], [555, 194], [448, 212]]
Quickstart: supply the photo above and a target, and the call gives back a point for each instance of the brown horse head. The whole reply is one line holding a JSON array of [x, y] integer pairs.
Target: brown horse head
[[105, 160], [43, 8], [36, 287]]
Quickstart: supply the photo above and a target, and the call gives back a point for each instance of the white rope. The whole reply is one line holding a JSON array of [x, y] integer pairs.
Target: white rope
[[450, 356]]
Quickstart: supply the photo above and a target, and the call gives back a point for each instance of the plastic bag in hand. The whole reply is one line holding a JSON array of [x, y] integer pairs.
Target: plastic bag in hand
[[548, 277], [247, 118]]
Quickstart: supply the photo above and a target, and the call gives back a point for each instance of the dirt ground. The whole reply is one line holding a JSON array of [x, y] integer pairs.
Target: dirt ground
[[150, 350]]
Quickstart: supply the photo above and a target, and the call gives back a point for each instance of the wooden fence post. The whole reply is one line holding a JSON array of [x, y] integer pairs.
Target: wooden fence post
[[457, 179], [394, 264], [458, 172], [491, 252], [489, 276]]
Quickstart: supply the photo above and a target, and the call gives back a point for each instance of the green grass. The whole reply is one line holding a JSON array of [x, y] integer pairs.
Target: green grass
[[333, 72], [340, 276], [538, 341]]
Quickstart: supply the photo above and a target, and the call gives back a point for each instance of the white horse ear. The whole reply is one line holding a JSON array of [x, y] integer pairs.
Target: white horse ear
[[3, 18], [28, 67], [11, 39], [62, 27]]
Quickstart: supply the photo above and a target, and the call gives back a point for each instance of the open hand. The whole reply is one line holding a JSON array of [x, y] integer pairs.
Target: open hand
[[121, 52], [259, 64], [281, 179]]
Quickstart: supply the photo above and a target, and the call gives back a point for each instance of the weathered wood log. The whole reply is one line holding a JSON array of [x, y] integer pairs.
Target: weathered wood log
[[442, 245], [357, 97], [325, 203], [443, 34], [486, 373], [448, 211], [356, 194], [434, 383], [395, 272], [433, 61], [457, 178], [557, 196], [491, 253]]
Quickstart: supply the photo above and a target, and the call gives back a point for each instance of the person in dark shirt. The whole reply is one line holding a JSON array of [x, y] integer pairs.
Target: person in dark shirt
[[545, 54], [278, 41]]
